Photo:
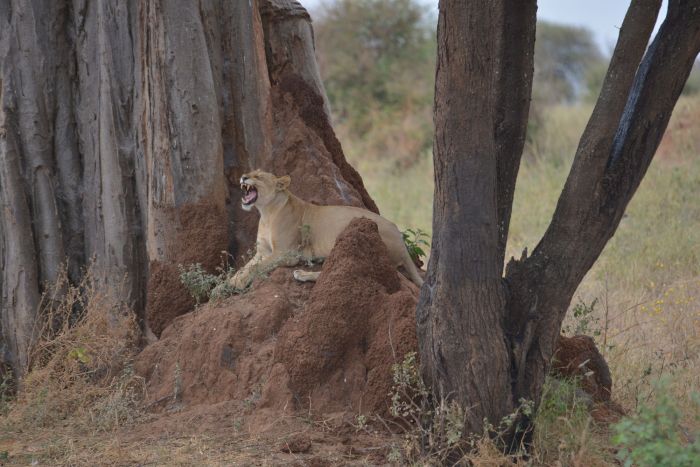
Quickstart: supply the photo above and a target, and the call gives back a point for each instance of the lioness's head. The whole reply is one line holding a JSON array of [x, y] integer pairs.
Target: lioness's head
[[261, 188]]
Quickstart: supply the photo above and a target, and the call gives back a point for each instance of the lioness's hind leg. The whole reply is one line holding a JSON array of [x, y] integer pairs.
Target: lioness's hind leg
[[306, 276]]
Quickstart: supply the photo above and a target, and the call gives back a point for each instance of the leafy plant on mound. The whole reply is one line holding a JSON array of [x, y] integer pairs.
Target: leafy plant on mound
[[585, 321], [204, 286], [653, 436], [80, 370], [416, 240]]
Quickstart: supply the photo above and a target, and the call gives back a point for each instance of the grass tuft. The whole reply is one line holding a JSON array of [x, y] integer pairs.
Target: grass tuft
[[80, 370]]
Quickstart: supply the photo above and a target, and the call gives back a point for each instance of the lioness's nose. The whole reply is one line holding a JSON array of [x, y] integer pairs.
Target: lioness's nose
[[243, 179]]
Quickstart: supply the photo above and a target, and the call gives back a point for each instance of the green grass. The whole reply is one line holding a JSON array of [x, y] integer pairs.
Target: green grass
[[404, 195], [647, 280], [657, 240]]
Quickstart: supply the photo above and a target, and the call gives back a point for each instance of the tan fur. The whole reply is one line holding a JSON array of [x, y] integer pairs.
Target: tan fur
[[290, 225]]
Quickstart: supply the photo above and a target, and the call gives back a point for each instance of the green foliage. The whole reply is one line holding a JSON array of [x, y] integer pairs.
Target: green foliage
[[586, 322], [561, 399], [563, 427], [653, 436], [415, 240], [594, 77], [563, 57], [568, 67], [80, 354], [203, 286], [377, 59], [375, 55], [222, 290], [198, 282]]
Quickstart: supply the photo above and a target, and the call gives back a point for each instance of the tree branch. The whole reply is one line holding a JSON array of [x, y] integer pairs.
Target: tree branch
[[515, 63], [612, 159], [597, 140], [615, 152]]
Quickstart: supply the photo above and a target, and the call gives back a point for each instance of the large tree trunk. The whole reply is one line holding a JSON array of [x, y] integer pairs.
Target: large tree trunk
[[486, 338], [124, 127]]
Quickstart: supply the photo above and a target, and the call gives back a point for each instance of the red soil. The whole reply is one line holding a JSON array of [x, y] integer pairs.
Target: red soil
[[287, 346], [578, 357], [200, 237], [325, 349]]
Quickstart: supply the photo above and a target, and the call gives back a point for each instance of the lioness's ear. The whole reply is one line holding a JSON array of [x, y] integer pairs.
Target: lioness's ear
[[282, 183]]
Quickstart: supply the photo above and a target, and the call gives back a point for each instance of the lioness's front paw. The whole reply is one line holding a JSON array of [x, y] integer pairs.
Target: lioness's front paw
[[306, 276], [238, 282]]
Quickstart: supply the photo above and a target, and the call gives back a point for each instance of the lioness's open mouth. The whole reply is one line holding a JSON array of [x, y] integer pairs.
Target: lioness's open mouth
[[250, 194]]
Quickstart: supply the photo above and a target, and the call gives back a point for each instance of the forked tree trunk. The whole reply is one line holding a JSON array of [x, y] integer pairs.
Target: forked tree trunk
[[487, 335], [124, 127]]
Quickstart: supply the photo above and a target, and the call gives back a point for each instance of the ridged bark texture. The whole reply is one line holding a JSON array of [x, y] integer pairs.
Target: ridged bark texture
[[487, 335], [124, 126]]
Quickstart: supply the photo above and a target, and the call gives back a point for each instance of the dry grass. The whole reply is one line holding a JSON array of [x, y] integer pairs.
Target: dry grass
[[66, 448], [79, 372]]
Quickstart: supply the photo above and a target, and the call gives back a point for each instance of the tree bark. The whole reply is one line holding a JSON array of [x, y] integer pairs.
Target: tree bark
[[481, 106], [487, 338], [290, 45], [124, 126], [460, 311]]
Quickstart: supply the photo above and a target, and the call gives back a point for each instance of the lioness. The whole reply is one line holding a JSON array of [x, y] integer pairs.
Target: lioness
[[291, 229]]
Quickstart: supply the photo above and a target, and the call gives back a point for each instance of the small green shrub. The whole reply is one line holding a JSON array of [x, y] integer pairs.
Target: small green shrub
[[585, 321], [204, 286], [653, 437], [561, 399], [564, 432], [198, 282], [415, 240], [222, 290]]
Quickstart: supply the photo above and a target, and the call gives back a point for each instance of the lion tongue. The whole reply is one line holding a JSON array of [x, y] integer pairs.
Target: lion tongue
[[250, 196]]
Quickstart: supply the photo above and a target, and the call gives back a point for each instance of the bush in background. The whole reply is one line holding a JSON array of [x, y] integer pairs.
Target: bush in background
[[654, 437]]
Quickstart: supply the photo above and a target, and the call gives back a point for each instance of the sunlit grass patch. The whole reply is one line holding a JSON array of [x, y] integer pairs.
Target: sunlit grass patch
[[403, 195]]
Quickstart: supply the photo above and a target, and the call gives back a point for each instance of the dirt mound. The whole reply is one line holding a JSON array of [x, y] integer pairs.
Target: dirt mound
[[200, 237], [286, 345], [578, 357], [358, 322]]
